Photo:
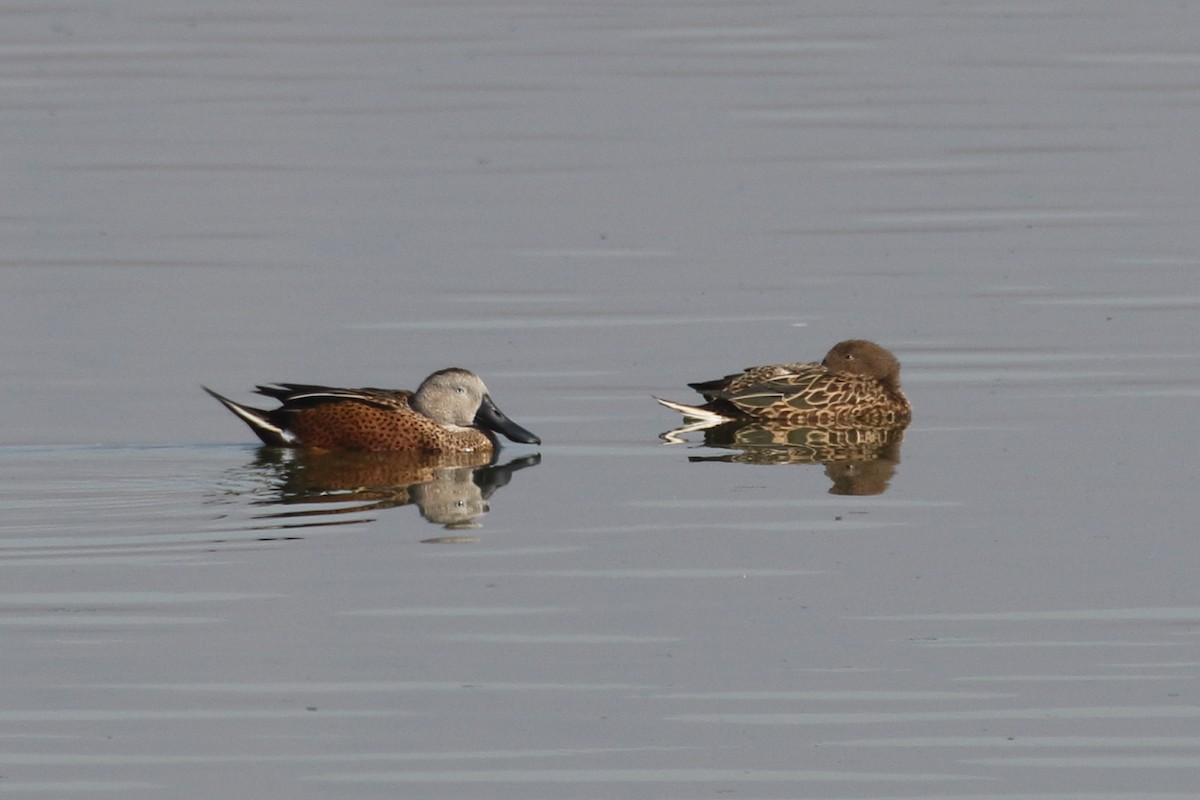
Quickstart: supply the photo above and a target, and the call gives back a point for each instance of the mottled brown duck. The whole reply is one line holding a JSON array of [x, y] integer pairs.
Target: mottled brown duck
[[858, 383]]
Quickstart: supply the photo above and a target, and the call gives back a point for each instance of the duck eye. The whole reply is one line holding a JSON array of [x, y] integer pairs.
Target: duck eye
[[460, 389]]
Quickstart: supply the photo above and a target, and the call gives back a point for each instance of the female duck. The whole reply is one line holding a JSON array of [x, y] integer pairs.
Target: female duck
[[858, 383]]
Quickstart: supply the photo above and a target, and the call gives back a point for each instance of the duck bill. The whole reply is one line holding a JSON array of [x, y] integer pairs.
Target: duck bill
[[493, 419]]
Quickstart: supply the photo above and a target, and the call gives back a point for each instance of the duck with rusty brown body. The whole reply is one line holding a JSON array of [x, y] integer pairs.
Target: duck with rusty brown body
[[451, 412]]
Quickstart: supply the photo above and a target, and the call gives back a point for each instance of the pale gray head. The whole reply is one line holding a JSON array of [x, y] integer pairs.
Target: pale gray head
[[450, 397], [458, 397], [864, 359]]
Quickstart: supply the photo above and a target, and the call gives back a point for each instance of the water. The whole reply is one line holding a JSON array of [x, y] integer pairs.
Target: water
[[590, 204]]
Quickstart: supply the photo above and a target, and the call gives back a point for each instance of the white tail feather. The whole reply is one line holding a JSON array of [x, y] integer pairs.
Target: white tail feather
[[693, 411]]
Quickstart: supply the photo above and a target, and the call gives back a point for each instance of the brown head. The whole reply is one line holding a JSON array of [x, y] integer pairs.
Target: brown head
[[864, 359]]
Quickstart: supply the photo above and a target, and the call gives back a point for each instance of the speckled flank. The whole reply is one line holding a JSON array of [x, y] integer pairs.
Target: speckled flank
[[350, 425]]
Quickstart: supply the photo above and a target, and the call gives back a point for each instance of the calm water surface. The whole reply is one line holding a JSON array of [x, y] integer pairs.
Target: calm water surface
[[591, 204]]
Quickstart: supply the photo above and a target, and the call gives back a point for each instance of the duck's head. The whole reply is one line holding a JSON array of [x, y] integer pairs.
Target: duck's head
[[864, 359], [458, 397]]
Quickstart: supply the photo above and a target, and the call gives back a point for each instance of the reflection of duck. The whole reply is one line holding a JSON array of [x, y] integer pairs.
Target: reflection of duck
[[450, 489], [777, 443], [858, 383], [450, 412], [859, 460]]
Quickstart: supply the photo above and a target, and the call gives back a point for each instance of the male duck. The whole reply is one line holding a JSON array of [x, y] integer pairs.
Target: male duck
[[451, 412], [858, 383]]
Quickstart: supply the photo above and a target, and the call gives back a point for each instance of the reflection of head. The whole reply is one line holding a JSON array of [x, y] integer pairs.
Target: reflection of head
[[860, 477], [452, 499]]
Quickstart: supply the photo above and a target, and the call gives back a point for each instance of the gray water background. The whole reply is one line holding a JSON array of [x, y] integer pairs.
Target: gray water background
[[590, 203]]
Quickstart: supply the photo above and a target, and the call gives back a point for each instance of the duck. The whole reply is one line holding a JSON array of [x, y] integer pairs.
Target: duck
[[857, 383], [450, 412]]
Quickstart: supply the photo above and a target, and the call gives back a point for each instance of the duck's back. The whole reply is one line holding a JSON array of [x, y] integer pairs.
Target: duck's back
[[807, 394]]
